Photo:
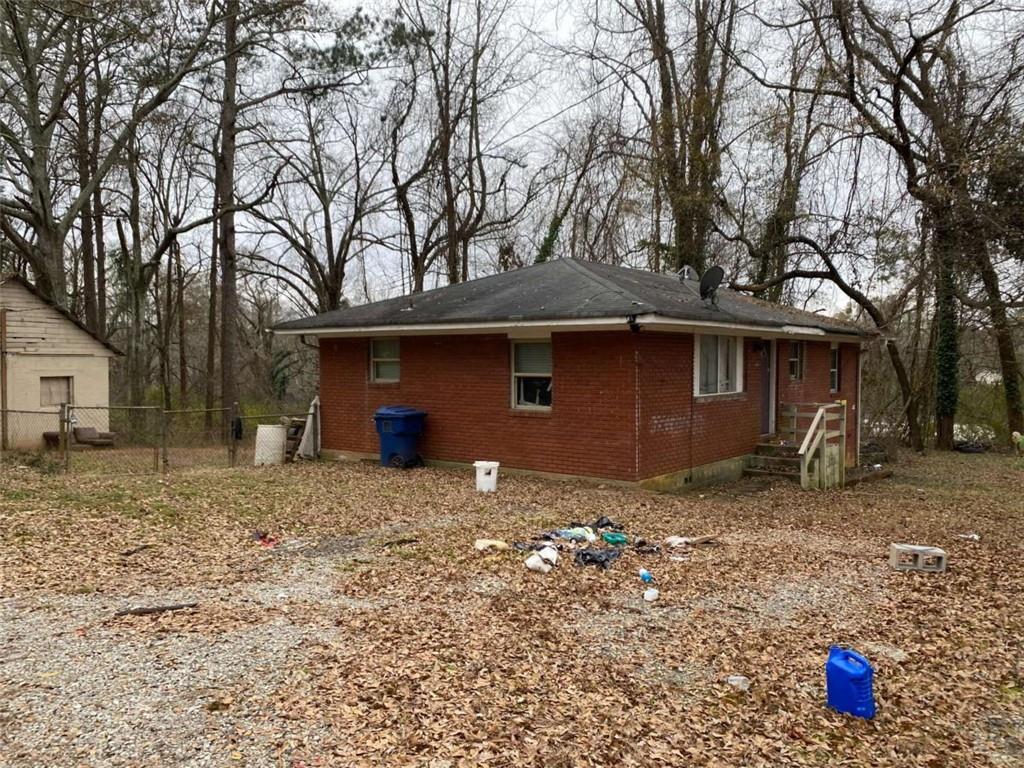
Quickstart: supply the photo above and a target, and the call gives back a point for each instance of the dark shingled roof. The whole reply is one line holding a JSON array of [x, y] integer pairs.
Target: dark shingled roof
[[567, 289]]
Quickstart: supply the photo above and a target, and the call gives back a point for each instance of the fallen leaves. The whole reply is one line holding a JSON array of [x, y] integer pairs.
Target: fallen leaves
[[429, 652]]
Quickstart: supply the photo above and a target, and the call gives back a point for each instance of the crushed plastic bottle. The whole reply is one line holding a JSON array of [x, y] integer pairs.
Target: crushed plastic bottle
[[740, 682], [646, 576]]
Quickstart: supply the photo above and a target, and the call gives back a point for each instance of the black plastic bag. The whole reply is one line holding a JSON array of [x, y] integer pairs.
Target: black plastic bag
[[602, 558]]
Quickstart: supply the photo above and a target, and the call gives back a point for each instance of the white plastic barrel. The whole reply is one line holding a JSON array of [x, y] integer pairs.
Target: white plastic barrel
[[270, 444], [486, 476]]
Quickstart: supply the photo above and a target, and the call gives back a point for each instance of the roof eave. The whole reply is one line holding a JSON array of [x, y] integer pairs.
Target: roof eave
[[648, 320]]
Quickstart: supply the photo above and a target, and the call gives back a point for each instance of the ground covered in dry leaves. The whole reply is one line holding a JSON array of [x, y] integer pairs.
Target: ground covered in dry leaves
[[373, 634]]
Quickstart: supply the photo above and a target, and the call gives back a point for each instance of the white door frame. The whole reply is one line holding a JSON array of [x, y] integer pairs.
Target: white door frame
[[772, 384]]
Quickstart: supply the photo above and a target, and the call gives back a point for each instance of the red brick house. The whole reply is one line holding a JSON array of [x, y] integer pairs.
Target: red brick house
[[579, 368]]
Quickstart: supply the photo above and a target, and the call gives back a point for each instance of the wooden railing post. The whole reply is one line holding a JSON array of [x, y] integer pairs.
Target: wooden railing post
[[842, 446]]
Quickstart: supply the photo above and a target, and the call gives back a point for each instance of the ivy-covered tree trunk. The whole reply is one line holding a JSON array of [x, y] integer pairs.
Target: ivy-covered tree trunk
[[947, 343]]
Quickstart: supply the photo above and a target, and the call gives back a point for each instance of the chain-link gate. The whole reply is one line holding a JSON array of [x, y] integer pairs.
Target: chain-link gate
[[112, 440]]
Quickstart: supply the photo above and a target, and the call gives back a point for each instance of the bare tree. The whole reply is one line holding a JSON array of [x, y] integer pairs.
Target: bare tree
[[332, 186], [40, 44]]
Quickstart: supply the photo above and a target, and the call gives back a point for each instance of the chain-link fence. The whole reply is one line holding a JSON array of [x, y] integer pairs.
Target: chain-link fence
[[29, 430], [144, 439], [197, 438]]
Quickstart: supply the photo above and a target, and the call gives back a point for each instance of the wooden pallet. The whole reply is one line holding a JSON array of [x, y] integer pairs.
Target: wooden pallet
[[296, 429]]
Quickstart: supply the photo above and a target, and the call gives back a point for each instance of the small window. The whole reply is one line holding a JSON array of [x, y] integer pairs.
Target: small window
[[531, 374], [719, 365], [55, 390], [833, 368], [797, 359], [385, 365]]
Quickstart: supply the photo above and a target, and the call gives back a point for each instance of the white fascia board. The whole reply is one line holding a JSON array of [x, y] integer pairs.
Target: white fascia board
[[540, 328], [660, 323]]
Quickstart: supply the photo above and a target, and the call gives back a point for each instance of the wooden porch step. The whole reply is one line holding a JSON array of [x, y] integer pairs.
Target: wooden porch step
[[751, 472], [774, 463], [786, 449]]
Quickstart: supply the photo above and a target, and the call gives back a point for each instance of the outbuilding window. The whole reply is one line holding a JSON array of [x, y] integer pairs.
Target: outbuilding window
[[797, 359], [55, 390], [385, 364], [531, 374], [833, 368], [719, 365]]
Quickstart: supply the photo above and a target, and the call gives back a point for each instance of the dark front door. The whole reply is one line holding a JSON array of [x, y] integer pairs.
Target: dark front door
[[767, 386]]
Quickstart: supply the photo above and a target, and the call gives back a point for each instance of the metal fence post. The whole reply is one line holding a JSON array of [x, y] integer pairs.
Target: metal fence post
[[163, 441], [65, 434]]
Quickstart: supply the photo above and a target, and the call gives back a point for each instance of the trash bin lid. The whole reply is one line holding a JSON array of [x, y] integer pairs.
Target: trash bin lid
[[397, 411]]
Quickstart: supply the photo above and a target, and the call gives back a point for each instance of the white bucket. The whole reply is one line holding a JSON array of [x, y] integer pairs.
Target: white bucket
[[486, 476], [270, 444]]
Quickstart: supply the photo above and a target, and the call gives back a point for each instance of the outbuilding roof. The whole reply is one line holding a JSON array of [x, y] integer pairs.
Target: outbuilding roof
[[16, 279], [564, 290]]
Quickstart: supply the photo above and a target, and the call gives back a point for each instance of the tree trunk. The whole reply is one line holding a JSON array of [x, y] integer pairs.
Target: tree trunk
[[911, 402], [84, 167], [165, 332], [226, 197], [180, 303], [210, 399], [1003, 333], [97, 202], [48, 266]]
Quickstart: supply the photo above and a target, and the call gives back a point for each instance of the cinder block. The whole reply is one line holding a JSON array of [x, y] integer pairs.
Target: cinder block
[[914, 557]]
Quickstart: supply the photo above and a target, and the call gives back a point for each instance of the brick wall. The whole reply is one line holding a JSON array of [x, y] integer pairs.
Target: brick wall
[[814, 387], [464, 384], [678, 430], [608, 387]]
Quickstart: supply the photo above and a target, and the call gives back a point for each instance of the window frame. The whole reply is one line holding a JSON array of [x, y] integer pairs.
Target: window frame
[[516, 405], [374, 359], [797, 354], [71, 391], [835, 367], [720, 362]]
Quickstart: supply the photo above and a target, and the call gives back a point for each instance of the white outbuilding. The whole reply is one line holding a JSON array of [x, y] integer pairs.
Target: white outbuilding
[[47, 357]]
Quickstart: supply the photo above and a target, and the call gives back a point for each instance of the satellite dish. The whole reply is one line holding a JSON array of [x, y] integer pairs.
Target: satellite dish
[[710, 281]]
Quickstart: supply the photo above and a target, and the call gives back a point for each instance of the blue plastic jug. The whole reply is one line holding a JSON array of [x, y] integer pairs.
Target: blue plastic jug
[[848, 680]]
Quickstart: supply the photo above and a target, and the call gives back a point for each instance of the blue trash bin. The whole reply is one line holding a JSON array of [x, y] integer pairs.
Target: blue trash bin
[[399, 428]]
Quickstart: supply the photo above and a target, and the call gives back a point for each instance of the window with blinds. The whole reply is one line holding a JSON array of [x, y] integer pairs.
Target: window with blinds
[[55, 390], [385, 363], [719, 363], [531, 374]]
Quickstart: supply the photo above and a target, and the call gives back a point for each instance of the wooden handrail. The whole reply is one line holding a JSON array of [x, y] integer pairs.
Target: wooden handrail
[[817, 439], [811, 430]]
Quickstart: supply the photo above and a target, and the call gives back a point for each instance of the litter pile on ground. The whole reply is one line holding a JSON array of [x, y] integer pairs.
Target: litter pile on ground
[[600, 544]]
